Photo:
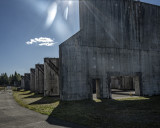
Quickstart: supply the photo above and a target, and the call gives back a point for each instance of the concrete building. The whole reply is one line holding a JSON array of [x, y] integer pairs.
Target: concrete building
[[117, 38], [51, 76], [22, 82], [27, 81], [39, 78], [32, 81]]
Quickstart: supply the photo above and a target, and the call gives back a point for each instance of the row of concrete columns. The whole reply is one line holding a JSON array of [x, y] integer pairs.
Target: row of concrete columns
[[43, 79]]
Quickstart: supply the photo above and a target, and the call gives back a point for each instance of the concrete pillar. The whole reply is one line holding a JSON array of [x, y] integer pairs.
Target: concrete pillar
[[39, 78], [22, 82], [32, 81], [27, 81], [51, 76]]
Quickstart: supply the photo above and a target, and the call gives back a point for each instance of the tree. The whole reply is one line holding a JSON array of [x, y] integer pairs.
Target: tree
[[11, 80], [4, 79], [17, 79]]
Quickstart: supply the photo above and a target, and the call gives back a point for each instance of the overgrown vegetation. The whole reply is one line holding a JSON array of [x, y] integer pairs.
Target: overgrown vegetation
[[139, 112]]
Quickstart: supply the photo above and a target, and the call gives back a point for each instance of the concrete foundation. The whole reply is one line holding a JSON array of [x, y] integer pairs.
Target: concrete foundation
[[39, 78], [116, 38], [27, 81], [51, 76], [32, 81]]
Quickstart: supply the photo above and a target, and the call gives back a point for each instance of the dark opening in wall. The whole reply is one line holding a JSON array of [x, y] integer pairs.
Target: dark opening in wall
[[122, 86], [96, 88]]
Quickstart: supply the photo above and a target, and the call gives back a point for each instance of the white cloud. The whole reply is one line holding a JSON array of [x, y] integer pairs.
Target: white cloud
[[46, 44], [42, 41]]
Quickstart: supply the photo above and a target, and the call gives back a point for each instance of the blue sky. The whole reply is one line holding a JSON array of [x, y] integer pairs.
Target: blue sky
[[23, 20], [27, 26]]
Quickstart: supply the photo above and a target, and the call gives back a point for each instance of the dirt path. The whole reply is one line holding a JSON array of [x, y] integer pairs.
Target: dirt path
[[14, 116]]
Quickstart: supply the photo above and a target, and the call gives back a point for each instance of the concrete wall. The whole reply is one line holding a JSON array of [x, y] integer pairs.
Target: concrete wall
[[27, 81], [22, 82], [116, 38], [39, 78], [32, 81], [51, 76]]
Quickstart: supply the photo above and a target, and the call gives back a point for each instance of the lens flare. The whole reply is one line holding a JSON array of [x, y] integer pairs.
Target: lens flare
[[66, 13], [52, 11]]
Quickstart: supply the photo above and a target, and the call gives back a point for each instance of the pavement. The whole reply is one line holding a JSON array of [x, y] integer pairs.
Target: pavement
[[13, 115]]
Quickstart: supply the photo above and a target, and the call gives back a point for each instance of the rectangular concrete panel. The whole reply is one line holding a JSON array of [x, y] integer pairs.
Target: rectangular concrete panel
[[32, 80], [27, 81], [39, 78], [51, 76], [116, 38]]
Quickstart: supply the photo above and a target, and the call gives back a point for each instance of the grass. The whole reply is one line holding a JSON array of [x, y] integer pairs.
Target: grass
[[2, 88], [139, 112], [38, 103]]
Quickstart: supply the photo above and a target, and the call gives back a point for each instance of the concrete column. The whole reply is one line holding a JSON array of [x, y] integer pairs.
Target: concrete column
[[32, 81], [27, 81], [22, 82], [39, 78], [51, 76]]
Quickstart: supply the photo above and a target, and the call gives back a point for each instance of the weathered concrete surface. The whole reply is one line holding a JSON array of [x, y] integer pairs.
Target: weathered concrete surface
[[122, 82], [14, 116], [51, 76], [22, 82], [116, 38], [32, 79], [39, 78], [27, 81]]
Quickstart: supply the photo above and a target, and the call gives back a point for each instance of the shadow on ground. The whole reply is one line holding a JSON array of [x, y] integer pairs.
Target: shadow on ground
[[135, 112], [34, 96], [54, 121], [44, 100], [26, 93], [124, 113]]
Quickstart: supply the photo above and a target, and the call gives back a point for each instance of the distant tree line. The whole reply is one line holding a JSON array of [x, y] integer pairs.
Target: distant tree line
[[13, 80]]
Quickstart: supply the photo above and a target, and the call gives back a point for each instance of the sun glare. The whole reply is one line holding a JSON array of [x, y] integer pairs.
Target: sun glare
[[70, 2]]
